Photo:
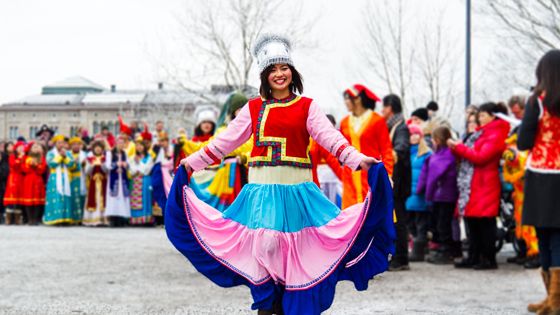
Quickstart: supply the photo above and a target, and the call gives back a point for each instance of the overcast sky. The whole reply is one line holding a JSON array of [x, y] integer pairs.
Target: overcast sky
[[111, 42]]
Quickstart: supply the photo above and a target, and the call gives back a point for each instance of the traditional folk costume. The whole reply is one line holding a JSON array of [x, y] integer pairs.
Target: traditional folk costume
[[369, 134], [141, 195], [14, 187], [326, 173], [59, 207], [78, 178], [161, 176], [219, 184], [95, 203], [514, 173], [118, 189], [281, 237], [128, 133], [34, 190], [540, 133]]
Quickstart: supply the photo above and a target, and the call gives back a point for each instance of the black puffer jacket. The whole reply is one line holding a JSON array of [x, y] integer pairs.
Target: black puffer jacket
[[402, 173]]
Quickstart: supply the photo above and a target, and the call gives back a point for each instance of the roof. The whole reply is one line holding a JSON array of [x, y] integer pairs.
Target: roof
[[113, 98], [49, 99], [75, 82]]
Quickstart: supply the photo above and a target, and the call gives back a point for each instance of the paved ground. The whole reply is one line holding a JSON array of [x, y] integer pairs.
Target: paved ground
[[78, 270]]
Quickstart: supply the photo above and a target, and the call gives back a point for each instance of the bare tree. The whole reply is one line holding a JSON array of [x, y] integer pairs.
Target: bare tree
[[218, 37], [417, 60], [439, 63], [532, 25], [386, 52], [524, 30]]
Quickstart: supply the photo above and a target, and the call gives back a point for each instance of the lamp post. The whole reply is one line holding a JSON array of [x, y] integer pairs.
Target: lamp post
[[468, 57]]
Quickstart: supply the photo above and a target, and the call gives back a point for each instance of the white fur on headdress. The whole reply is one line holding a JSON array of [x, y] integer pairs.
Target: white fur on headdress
[[206, 113], [270, 49]]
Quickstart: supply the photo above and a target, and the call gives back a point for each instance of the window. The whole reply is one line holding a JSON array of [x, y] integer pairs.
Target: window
[[96, 128], [33, 131], [14, 132]]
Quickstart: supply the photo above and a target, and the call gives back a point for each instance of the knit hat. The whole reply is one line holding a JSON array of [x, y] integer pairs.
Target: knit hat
[[421, 113], [235, 102], [206, 113], [271, 49], [433, 106], [415, 130]]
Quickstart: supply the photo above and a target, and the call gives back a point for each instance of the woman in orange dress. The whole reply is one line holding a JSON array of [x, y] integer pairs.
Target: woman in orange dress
[[368, 133]]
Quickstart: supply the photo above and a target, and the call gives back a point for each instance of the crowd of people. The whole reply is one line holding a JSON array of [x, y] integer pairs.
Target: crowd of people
[[444, 185]]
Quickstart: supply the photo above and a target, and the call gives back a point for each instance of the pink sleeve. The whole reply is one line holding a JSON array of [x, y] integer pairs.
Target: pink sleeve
[[237, 132], [321, 129]]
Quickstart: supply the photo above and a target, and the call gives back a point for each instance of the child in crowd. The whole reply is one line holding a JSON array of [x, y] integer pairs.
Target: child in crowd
[[418, 211], [438, 181]]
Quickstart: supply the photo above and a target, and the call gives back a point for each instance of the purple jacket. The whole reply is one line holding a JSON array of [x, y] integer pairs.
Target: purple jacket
[[438, 179]]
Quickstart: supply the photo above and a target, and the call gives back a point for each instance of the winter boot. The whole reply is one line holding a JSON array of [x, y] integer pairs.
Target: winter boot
[[18, 217], [418, 251], [9, 218], [535, 307], [264, 312], [552, 305]]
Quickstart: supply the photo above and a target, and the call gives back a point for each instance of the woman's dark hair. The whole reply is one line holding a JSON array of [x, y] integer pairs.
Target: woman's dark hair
[[366, 101], [394, 101], [6, 144], [493, 108], [144, 147], [441, 134], [331, 119], [266, 91], [548, 80], [198, 131]]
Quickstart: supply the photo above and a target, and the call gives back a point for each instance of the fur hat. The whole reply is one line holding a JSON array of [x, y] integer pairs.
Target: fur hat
[[421, 113], [57, 138], [75, 140], [206, 113], [271, 49]]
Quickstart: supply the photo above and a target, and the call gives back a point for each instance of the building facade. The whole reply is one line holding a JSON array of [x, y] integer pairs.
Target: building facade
[[77, 102]]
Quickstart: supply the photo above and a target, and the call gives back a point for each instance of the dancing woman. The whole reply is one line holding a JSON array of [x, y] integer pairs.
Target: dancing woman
[[282, 237]]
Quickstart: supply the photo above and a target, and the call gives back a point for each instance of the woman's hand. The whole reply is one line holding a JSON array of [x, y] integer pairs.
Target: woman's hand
[[186, 165], [367, 162], [453, 143]]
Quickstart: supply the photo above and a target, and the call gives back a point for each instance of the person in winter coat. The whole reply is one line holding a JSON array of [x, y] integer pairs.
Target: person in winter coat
[[14, 185], [438, 181], [34, 189], [480, 186], [4, 173], [400, 138], [416, 206], [540, 133]]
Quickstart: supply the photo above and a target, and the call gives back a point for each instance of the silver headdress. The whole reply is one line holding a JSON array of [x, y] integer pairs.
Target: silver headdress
[[272, 49]]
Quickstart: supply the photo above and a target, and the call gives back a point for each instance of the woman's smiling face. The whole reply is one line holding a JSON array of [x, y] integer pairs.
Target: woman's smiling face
[[280, 77]]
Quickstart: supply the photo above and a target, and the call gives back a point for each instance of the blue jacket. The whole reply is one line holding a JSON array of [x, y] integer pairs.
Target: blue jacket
[[416, 202]]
